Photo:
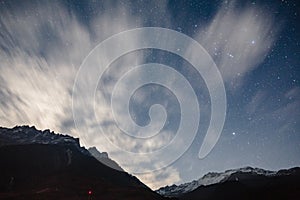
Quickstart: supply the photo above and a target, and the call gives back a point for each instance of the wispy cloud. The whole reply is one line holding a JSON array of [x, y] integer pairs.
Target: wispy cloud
[[40, 55], [280, 109], [239, 38], [163, 177]]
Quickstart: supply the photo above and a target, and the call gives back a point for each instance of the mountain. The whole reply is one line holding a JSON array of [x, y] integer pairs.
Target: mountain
[[243, 183], [208, 179], [44, 165], [21, 135], [103, 158]]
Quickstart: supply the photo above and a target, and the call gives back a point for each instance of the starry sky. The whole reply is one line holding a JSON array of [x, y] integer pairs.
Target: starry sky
[[254, 44]]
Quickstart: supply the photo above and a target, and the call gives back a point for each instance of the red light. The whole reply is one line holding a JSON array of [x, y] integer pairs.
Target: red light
[[90, 192]]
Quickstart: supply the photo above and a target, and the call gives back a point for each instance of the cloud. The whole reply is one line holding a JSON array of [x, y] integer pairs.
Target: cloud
[[163, 177], [32, 88], [280, 109], [42, 47], [239, 38], [256, 102], [39, 50], [289, 110]]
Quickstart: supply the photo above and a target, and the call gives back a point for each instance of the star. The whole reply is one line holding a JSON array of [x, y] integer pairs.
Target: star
[[230, 55]]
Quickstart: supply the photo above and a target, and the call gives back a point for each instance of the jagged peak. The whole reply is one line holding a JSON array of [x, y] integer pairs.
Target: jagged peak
[[26, 134], [96, 153], [104, 158], [211, 178]]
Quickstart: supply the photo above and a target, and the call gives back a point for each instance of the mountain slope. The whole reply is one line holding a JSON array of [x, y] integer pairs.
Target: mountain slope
[[103, 158], [284, 184], [208, 179], [243, 183], [34, 166]]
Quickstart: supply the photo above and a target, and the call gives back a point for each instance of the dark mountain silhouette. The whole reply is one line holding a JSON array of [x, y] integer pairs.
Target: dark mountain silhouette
[[245, 183], [43, 165]]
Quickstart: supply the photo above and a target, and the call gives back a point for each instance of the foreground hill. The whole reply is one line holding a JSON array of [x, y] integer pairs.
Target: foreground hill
[[43, 165]]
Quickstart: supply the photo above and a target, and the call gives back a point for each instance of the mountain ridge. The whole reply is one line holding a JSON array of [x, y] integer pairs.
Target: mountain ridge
[[44, 165], [214, 178]]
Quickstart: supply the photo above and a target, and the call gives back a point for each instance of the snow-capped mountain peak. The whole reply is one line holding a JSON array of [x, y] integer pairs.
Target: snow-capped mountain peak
[[209, 179], [21, 135]]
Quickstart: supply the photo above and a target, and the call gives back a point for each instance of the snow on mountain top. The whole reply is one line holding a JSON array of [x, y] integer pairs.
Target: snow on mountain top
[[209, 179], [30, 135], [21, 135], [24, 135]]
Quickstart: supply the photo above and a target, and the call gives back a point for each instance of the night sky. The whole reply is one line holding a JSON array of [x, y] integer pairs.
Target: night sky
[[254, 44]]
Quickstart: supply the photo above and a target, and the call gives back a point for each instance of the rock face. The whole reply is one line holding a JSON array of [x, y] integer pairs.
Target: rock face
[[30, 135], [103, 158], [44, 165]]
